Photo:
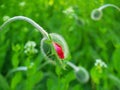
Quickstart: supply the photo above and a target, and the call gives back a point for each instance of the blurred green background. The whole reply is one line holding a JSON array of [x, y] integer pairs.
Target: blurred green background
[[87, 39]]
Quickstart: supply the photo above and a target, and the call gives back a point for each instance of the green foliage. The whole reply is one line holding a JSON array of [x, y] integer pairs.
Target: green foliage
[[87, 39], [3, 83]]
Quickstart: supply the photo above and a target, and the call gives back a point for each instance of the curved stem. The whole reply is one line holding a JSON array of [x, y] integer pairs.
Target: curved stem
[[22, 68], [109, 5], [44, 64], [73, 66], [114, 79], [44, 33]]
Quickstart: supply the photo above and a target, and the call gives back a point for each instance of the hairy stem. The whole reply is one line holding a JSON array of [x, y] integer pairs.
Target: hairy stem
[[22, 68], [73, 66], [109, 5], [44, 33]]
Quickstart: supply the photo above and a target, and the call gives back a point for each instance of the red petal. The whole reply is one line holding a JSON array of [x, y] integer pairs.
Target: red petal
[[59, 50]]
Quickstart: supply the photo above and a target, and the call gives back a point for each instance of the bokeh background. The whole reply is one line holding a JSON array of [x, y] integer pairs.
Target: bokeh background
[[87, 39]]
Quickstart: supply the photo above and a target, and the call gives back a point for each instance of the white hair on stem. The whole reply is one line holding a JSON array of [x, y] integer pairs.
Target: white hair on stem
[[109, 5], [97, 14], [44, 33]]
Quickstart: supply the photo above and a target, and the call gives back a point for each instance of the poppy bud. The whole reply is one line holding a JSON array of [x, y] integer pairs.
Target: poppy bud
[[81, 73], [59, 50], [96, 14], [60, 46]]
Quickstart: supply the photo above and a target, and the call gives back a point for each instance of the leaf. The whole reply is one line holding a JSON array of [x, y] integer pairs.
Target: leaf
[[15, 80], [3, 83], [37, 77], [15, 60], [58, 70], [52, 84], [115, 80], [116, 59], [95, 75]]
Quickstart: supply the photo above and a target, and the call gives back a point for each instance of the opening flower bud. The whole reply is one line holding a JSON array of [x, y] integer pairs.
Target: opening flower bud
[[59, 50], [60, 45]]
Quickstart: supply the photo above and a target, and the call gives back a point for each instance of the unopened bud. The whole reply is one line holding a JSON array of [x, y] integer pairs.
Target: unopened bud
[[96, 14], [82, 75]]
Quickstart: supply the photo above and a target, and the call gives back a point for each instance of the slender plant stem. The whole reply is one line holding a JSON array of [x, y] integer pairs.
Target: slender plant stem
[[109, 5], [73, 66], [44, 64], [44, 33], [22, 68]]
